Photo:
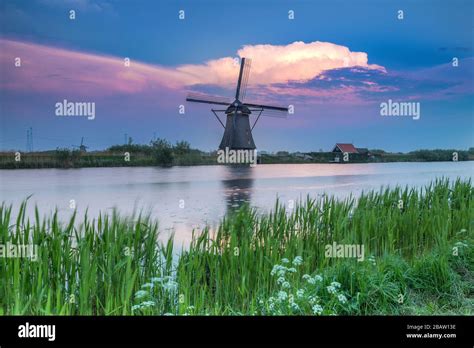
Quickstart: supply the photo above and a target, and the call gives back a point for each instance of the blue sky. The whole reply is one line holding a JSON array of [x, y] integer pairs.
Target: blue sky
[[405, 60]]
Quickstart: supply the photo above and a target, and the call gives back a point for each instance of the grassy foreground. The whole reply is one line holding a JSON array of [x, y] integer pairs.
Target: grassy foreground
[[418, 259]]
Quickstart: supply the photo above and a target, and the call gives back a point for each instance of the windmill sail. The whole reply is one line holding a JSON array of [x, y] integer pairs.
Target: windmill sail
[[268, 110], [207, 99], [239, 81], [267, 107], [245, 79]]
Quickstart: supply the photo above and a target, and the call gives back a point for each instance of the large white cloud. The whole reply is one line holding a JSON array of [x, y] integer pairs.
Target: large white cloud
[[297, 61]]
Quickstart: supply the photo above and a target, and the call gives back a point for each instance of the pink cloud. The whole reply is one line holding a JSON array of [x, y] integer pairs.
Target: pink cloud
[[46, 69]]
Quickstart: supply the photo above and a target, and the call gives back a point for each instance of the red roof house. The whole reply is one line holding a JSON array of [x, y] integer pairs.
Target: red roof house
[[345, 148]]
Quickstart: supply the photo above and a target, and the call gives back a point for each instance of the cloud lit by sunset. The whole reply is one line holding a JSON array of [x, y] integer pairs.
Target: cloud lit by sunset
[[52, 69]]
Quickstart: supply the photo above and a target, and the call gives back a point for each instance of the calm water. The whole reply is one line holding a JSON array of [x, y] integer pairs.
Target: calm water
[[183, 198]]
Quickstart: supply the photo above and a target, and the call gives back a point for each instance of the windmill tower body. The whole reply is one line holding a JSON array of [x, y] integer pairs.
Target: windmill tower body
[[237, 133]]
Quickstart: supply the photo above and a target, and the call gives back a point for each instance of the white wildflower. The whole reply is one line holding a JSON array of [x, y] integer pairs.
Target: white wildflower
[[148, 304], [275, 269], [285, 260], [294, 306], [140, 294], [331, 289], [300, 293], [317, 309], [280, 280], [336, 285], [282, 295], [297, 261], [342, 298], [285, 285], [371, 259], [279, 270], [170, 285]]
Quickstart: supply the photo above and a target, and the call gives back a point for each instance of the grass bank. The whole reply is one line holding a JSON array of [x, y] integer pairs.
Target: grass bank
[[182, 155], [418, 259]]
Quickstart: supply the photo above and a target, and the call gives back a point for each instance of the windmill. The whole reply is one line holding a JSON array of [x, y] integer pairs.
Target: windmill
[[237, 130], [82, 147]]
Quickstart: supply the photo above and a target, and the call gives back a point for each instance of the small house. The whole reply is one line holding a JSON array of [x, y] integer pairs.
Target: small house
[[344, 148]]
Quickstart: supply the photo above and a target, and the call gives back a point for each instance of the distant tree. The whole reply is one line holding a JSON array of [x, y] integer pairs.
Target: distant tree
[[162, 152], [75, 155], [62, 155], [377, 151], [438, 155], [67, 158], [132, 148], [182, 148]]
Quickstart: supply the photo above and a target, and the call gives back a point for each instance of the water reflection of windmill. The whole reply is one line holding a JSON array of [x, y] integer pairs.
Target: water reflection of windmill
[[237, 130], [237, 183]]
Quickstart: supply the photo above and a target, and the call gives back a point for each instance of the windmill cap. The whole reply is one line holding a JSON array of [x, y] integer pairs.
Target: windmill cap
[[238, 106]]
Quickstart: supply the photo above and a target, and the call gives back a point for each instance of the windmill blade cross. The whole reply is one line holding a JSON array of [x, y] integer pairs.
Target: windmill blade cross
[[207, 99], [239, 81], [273, 113], [237, 130], [267, 107], [270, 113], [268, 110], [245, 79]]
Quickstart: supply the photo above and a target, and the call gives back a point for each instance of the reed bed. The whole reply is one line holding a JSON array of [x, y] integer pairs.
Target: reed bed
[[418, 259]]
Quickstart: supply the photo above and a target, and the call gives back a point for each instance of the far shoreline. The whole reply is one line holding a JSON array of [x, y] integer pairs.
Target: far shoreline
[[163, 154], [220, 164]]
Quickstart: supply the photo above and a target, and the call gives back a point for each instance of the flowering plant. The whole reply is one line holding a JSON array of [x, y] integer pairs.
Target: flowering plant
[[303, 294]]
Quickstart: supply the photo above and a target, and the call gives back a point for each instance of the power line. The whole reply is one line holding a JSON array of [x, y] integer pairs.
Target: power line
[[29, 139]]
